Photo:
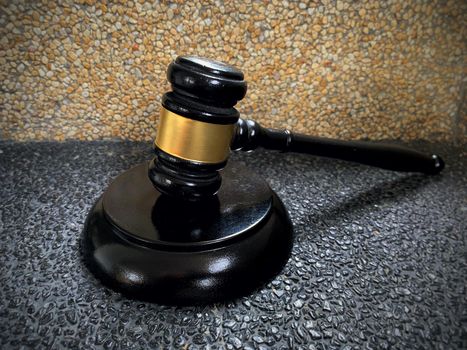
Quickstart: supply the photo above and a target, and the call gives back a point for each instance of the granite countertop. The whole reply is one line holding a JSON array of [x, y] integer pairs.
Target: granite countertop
[[379, 259]]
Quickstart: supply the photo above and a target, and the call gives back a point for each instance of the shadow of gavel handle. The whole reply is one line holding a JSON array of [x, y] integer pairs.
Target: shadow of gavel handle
[[249, 135]]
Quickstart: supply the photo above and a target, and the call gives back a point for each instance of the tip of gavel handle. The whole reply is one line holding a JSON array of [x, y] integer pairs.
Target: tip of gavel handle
[[438, 165]]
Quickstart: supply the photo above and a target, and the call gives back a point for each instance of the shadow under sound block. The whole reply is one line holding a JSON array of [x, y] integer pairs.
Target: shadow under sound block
[[155, 248]]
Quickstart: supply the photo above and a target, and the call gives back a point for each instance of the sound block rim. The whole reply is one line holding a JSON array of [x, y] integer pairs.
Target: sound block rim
[[212, 273]]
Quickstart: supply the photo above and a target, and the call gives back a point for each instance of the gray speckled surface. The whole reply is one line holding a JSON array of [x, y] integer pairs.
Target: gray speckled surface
[[379, 259]]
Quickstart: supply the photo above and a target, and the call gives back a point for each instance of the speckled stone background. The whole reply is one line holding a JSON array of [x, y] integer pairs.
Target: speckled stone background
[[350, 69], [379, 260]]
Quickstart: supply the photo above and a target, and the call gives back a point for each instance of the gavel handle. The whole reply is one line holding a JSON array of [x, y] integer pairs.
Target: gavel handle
[[250, 135]]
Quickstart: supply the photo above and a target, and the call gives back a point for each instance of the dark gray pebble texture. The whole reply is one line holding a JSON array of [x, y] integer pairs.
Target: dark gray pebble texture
[[379, 260]]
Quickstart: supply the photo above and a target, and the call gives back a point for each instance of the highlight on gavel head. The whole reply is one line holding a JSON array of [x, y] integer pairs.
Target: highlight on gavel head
[[196, 126]]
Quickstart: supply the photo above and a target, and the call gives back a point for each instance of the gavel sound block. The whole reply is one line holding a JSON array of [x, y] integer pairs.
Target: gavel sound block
[[188, 227]]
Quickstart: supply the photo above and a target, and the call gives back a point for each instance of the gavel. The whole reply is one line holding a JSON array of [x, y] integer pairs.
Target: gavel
[[189, 227], [199, 126]]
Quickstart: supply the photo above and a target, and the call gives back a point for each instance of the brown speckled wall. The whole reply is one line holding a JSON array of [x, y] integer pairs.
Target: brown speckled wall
[[348, 69]]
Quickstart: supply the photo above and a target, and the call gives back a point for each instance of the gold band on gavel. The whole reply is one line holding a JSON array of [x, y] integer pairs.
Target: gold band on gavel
[[192, 139]]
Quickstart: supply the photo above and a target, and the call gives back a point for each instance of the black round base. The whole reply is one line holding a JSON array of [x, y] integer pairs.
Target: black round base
[[151, 247]]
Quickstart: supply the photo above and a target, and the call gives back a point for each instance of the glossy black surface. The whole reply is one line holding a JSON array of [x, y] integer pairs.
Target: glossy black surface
[[250, 135], [132, 204], [204, 90], [182, 179], [199, 110], [148, 246], [209, 81], [213, 67]]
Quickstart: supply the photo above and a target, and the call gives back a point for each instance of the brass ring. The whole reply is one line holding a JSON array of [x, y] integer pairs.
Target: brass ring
[[193, 140]]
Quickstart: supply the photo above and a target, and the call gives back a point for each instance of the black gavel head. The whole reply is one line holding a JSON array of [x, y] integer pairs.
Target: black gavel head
[[196, 126]]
